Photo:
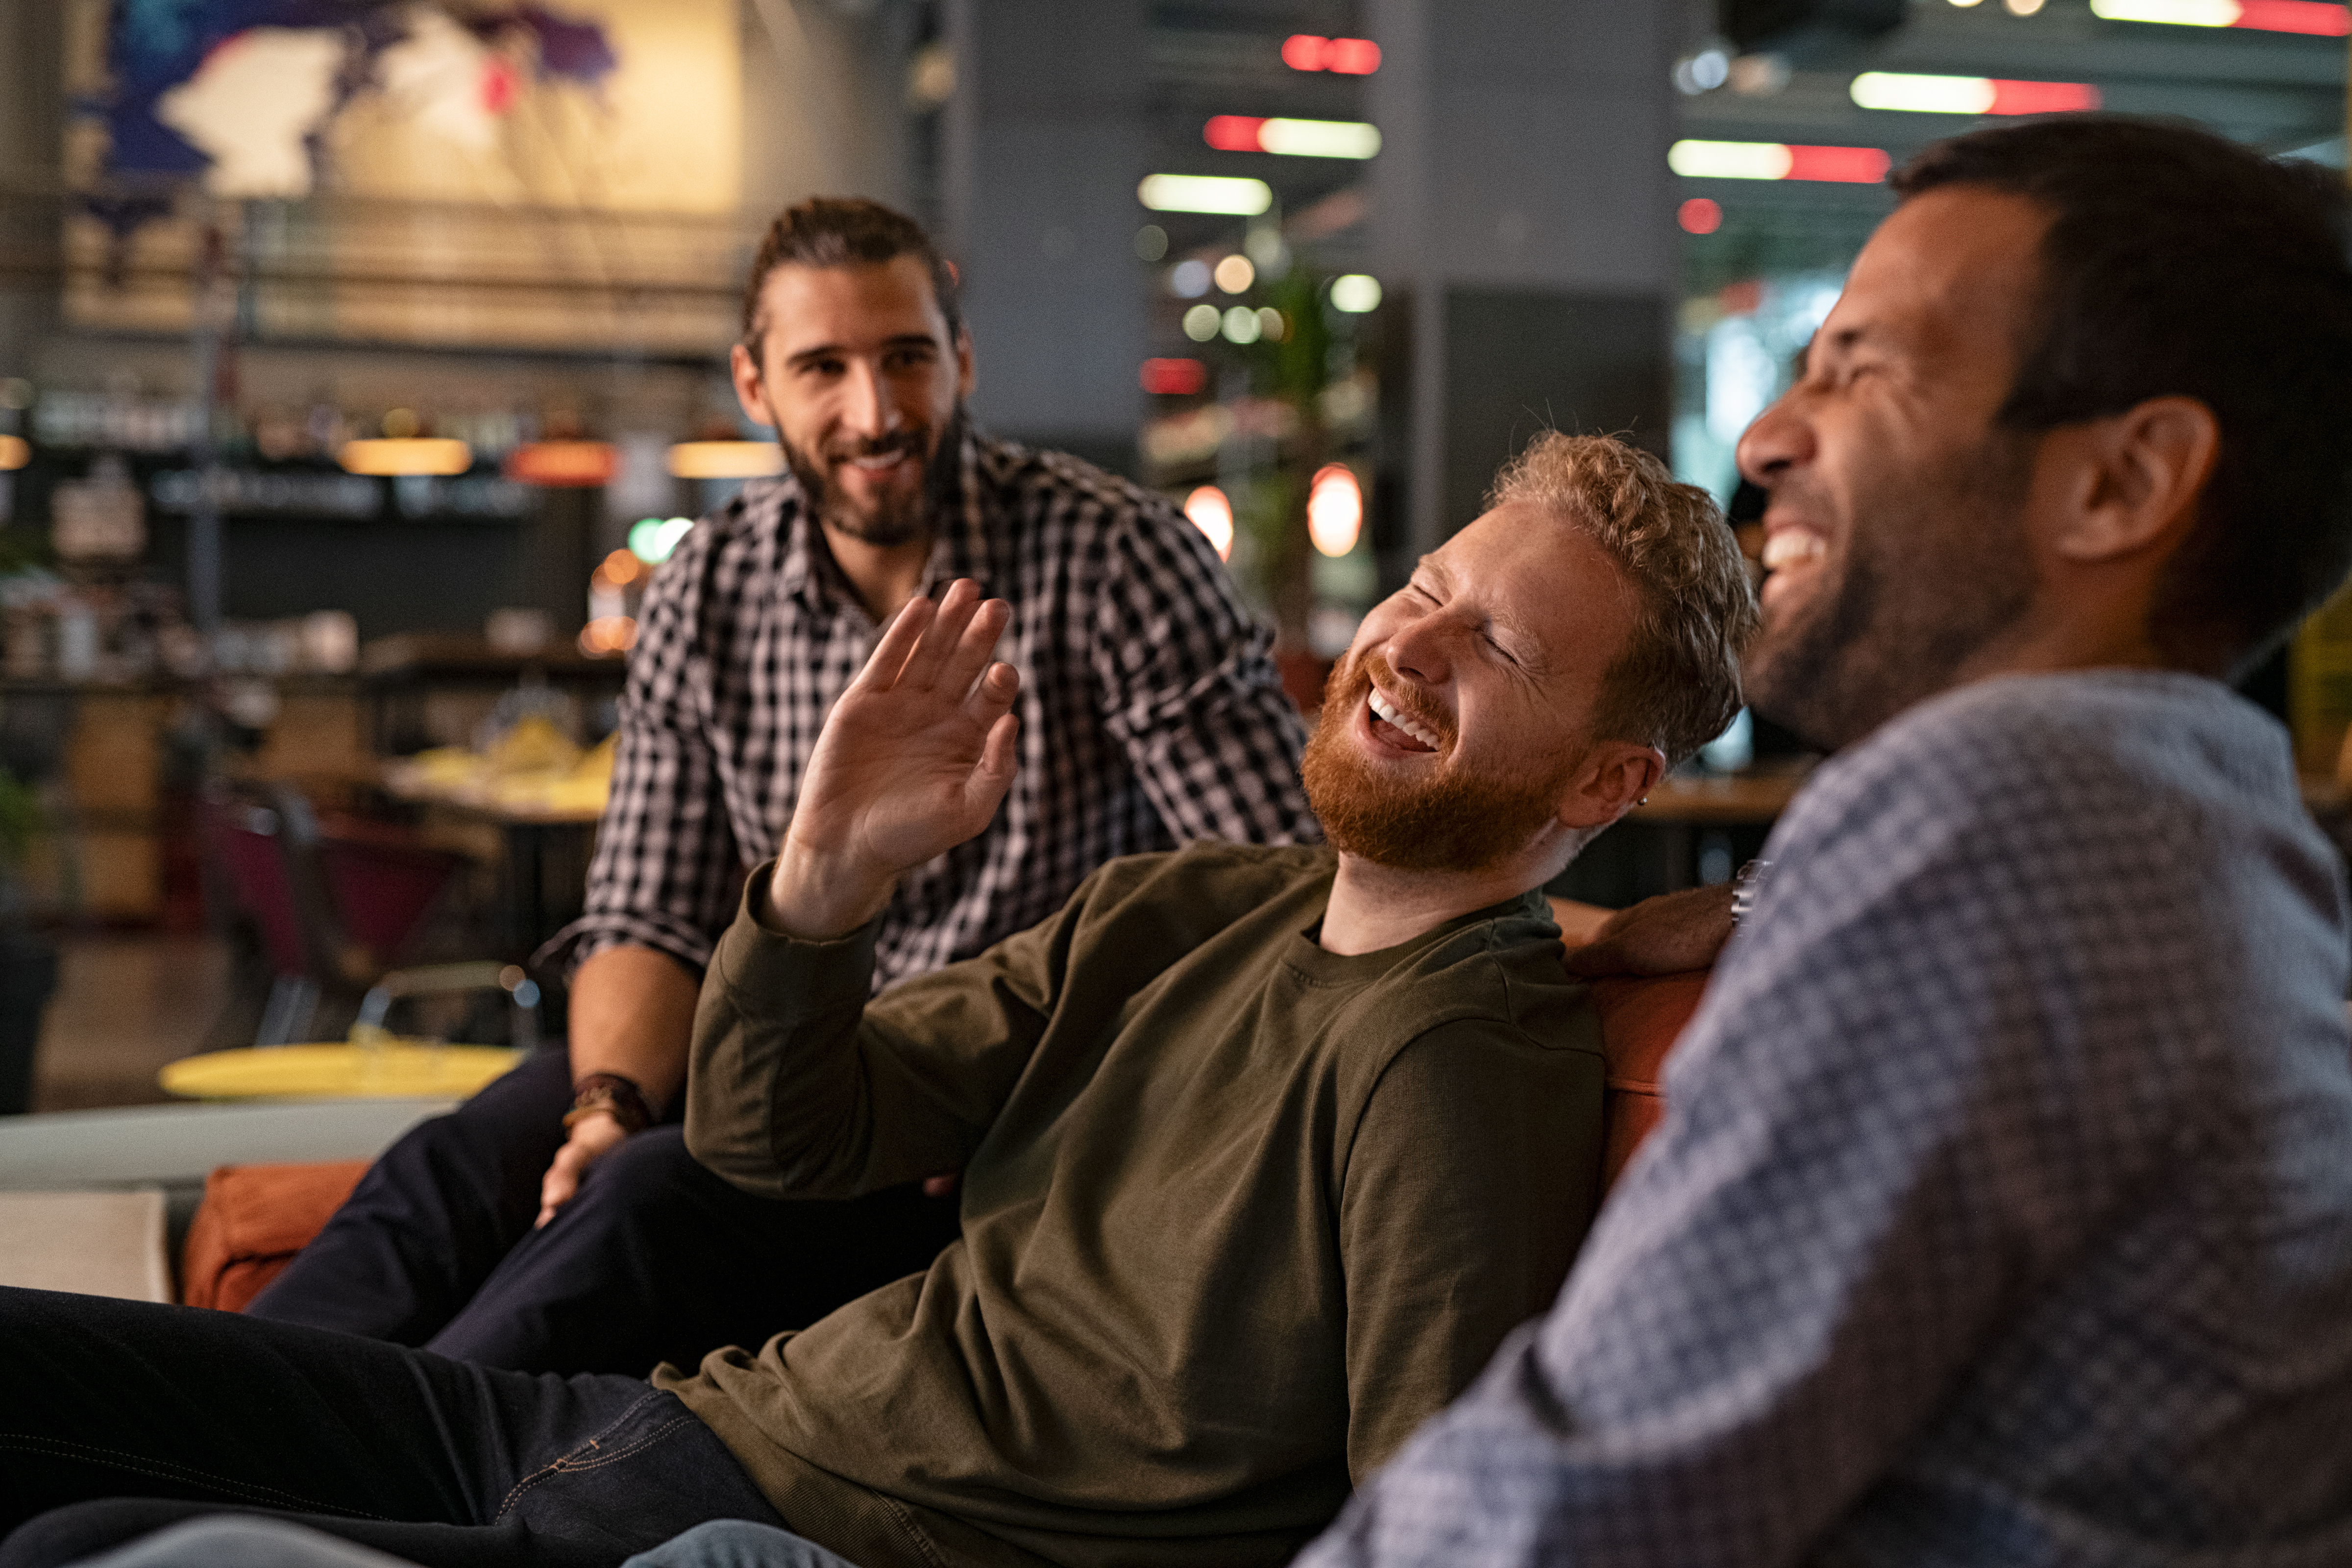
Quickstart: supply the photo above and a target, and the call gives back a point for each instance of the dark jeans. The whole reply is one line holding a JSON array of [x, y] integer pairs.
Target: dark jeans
[[120, 1417], [656, 1259]]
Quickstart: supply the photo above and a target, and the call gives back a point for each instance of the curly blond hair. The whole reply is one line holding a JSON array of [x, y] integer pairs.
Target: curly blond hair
[[1676, 685]]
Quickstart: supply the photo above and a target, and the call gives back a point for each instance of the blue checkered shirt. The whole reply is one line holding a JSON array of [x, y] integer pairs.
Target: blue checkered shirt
[[2002, 1214], [1151, 713]]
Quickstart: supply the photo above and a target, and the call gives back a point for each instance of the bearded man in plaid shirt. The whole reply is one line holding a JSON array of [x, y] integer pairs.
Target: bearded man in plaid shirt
[[512, 1234]]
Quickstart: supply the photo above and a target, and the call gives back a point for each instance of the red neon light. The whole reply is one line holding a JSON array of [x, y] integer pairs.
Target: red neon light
[[1699, 215], [1847, 166], [1174, 377], [2043, 97], [1313, 52], [2295, 16], [1233, 133]]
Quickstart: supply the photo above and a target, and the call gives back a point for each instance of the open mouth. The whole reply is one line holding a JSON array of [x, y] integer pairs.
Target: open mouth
[[1790, 553], [879, 464], [1390, 724]]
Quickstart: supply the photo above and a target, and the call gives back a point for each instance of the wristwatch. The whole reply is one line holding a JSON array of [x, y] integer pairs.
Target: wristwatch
[[1745, 884]]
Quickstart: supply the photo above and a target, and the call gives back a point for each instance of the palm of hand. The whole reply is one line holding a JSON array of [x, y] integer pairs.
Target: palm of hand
[[891, 780], [913, 760]]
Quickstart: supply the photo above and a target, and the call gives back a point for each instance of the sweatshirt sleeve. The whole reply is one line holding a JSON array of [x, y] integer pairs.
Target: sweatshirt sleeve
[[802, 1088], [1471, 1179]]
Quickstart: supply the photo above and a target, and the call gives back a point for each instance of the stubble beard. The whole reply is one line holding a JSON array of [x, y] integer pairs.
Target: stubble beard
[[1909, 607], [897, 520], [1452, 822]]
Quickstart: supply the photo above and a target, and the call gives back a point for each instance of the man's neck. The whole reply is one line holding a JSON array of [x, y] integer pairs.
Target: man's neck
[[883, 576], [1374, 907]]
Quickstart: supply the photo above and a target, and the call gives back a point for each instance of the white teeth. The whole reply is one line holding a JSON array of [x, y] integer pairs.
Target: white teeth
[[1386, 709], [1791, 545]]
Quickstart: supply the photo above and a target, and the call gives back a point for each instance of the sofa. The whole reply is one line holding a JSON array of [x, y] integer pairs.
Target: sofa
[[255, 1217]]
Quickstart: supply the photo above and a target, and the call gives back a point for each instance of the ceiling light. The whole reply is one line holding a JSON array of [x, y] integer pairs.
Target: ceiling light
[[1777, 161], [401, 455], [1357, 293], [726, 459], [1205, 194], [1969, 94], [1292, 138], [2261, 15], [563, 465]]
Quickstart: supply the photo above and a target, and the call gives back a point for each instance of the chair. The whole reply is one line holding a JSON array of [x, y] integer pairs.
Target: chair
[[334, 907]]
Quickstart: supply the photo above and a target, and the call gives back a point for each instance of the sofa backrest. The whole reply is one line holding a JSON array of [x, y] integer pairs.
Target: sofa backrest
[[1640, 1021]]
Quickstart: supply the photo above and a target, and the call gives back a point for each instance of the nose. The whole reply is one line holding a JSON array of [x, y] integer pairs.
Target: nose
[[1781, 437], [1421, 650], [869, 409]]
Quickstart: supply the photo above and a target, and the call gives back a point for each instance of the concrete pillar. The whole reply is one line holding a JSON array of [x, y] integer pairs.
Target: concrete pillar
[[1523, 208], [1045, 142], [32, 152]]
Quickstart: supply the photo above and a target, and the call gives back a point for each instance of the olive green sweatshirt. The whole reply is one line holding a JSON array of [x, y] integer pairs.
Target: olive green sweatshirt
[[1237, 1213]]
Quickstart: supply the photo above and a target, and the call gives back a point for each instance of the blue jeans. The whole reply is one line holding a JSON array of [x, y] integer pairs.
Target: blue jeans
[[239, 1541], [118, 1418], [657, 1259]]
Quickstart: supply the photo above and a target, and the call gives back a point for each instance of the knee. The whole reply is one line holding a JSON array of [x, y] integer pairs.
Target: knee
[[736, 1543], [649, 1171]]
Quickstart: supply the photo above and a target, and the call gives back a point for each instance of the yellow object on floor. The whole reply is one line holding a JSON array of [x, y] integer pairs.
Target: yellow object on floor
[[401, 1071]]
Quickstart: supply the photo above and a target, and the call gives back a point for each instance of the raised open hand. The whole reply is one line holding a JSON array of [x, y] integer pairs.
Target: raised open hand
[[913, 760]]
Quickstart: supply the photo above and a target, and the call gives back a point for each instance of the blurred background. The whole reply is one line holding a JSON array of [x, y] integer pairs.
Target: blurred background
[[359, 361]]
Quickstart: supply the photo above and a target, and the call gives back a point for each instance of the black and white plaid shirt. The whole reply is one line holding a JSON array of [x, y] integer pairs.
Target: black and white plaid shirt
[[1150, 714]]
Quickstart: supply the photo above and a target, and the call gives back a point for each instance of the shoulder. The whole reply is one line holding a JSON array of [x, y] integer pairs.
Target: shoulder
[[2082, 770], [1500, 978], [1045, 487]]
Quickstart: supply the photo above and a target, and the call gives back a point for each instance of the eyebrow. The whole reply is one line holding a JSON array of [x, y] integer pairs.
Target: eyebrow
[[835, 351], [1526, 646]]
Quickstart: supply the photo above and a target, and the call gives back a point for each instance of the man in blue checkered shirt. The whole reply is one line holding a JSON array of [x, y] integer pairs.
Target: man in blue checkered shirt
[[556, 1222], [2003, 1210]]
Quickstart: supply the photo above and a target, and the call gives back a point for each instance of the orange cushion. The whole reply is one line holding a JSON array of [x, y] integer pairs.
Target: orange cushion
[[1640, 1021], [253, 1220]]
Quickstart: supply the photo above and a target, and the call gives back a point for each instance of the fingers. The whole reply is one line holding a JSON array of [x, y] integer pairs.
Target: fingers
[[891, 651], [969, 661], [558, 1186], [984, 790], [990, 697], [930, 661]]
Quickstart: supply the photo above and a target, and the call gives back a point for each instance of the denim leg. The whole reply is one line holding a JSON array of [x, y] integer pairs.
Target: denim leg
[[433, 1215], [120, 1417], [245, 1541], [725, 1544], [657, 1259]]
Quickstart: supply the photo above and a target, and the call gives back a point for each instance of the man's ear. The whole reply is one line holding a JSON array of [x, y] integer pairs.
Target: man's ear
[[2136, 478], [751, 390], [1613, 779]]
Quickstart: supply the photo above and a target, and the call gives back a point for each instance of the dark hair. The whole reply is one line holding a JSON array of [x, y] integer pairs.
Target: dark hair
[[2177, 263], [845, 231]]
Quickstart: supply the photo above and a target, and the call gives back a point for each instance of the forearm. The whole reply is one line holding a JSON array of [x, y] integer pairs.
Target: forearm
[[778, 1104], [633, 1013]]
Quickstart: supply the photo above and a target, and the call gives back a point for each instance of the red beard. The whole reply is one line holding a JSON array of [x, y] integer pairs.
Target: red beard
[[1450, 821]]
